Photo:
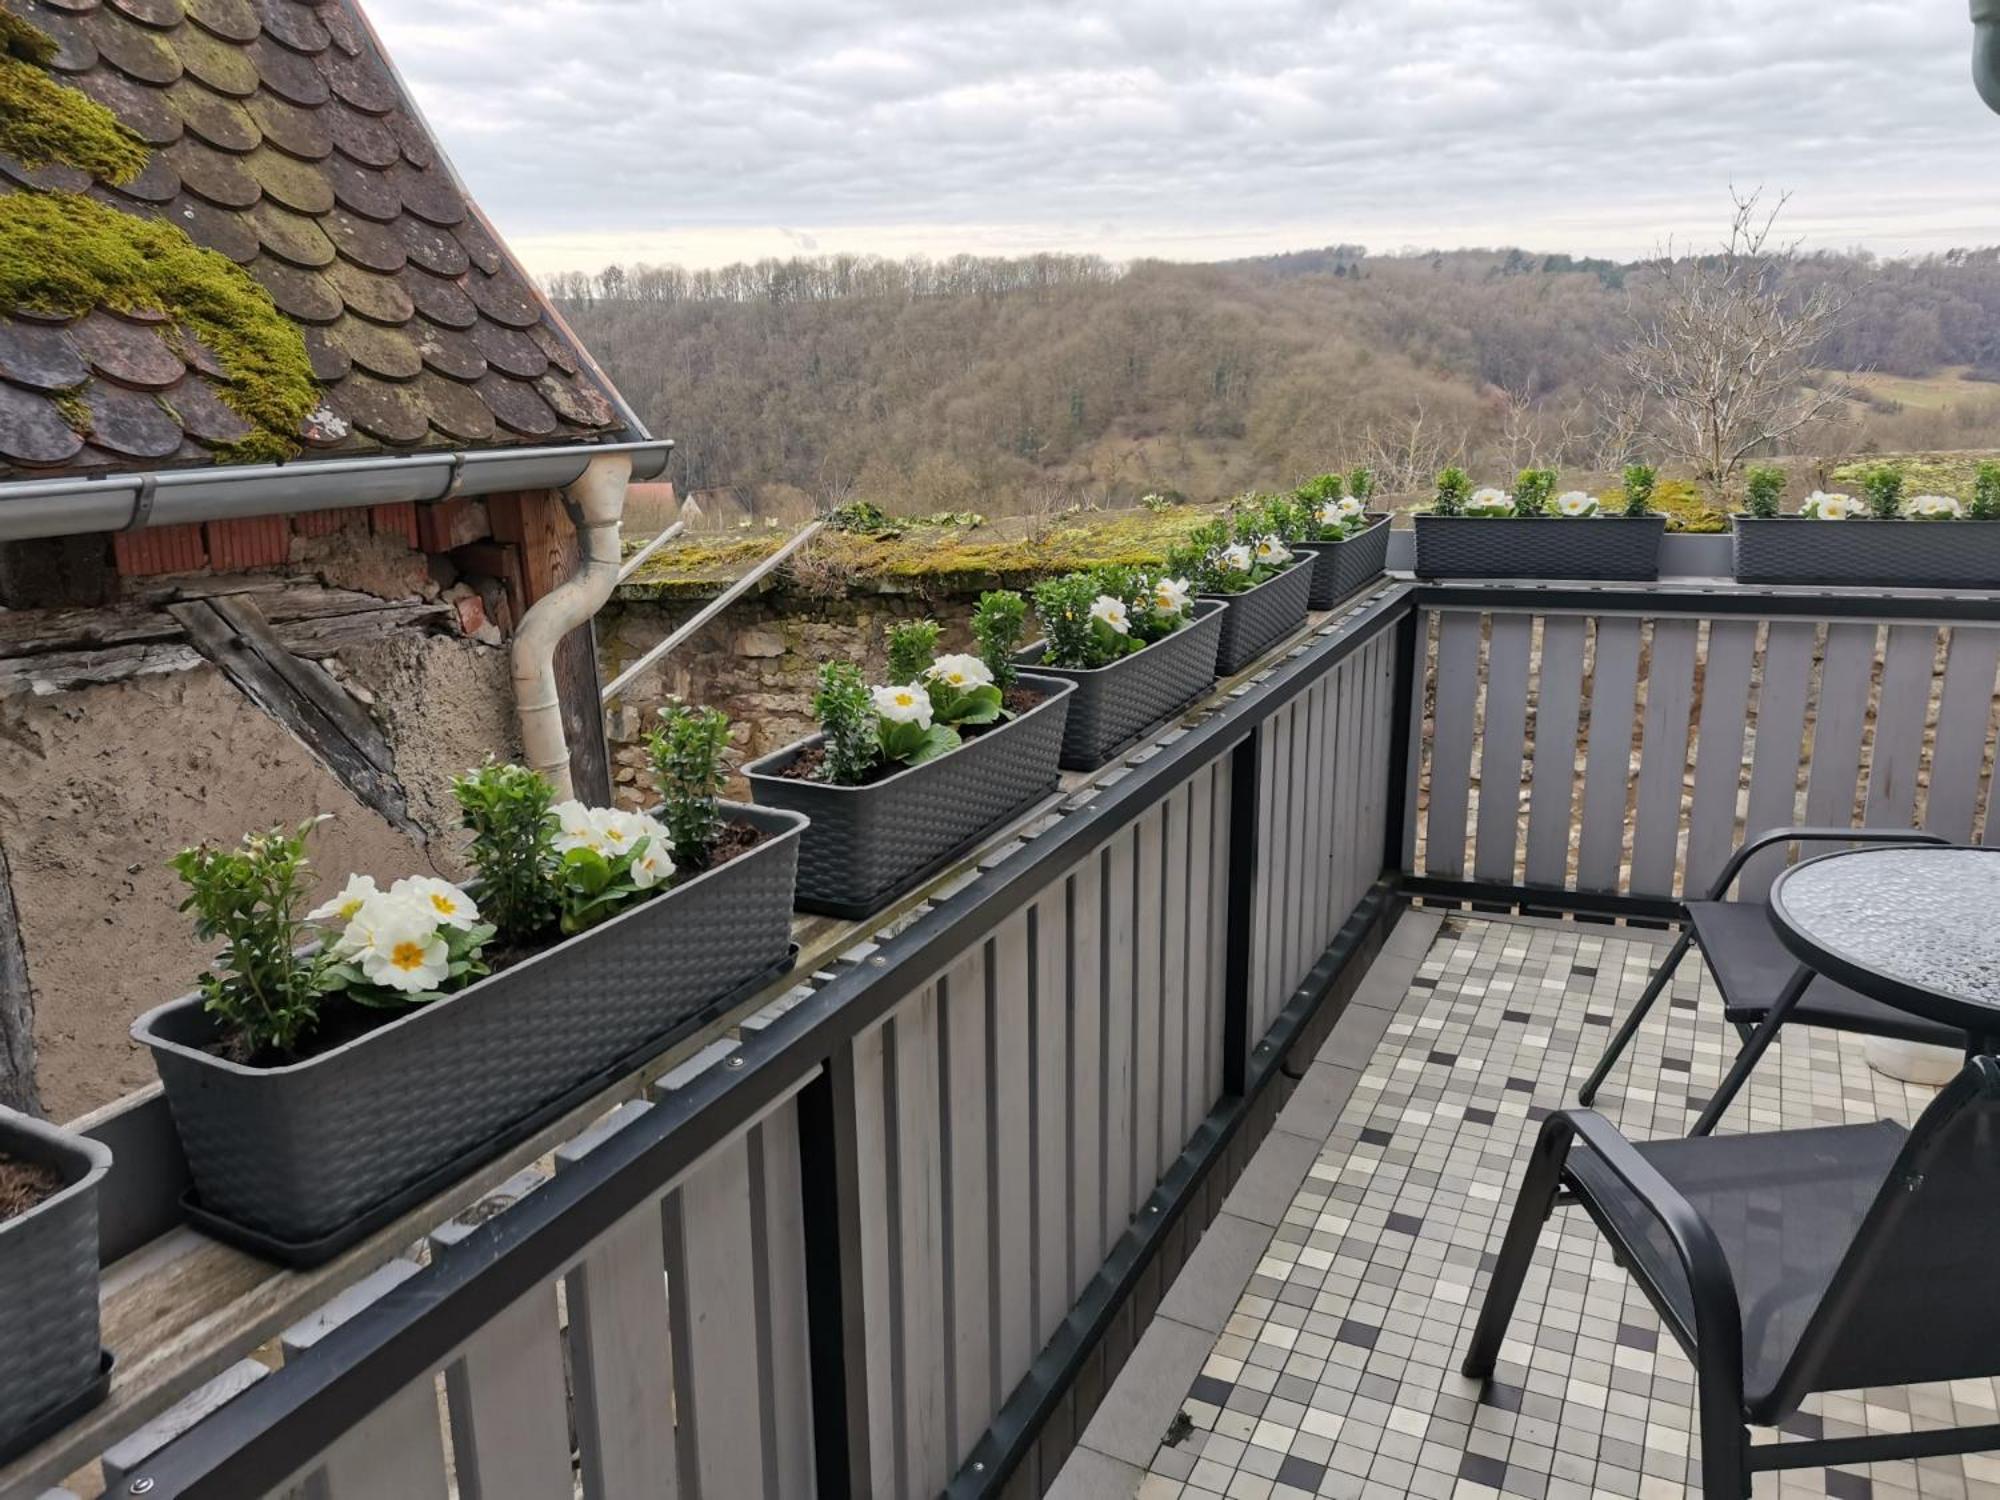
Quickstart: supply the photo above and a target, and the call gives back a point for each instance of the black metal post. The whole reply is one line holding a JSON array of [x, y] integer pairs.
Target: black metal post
[[1245, 796], [1400, 746], [836, 1347]]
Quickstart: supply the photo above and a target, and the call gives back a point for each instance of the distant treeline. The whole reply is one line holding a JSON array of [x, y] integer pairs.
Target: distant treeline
[[1006, 384]]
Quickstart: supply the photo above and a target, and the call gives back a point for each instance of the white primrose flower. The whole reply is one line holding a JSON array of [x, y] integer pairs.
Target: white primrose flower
[[1935, 508], [577, 828], [1338, 512], [620, 830], [1348, 508], [961, 671], [1489, 502], [903, 705], [654, 865], [376, 911], [1271, 549], [1170, 596], [1237, 558], [1824, 507], [1576, 503], [401, 948], [449, 906], [343, 906], [1111, 612]]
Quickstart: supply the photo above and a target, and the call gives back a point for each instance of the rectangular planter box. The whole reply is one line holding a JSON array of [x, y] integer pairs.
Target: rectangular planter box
[[1348, 566], [1902, 554], [1112, 704], [869, 844], [292, 1154], [1604, 547], [1261, 617], [49, 1356]]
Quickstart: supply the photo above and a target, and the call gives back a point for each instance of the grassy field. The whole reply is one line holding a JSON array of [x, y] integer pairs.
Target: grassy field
[[1937, 392]]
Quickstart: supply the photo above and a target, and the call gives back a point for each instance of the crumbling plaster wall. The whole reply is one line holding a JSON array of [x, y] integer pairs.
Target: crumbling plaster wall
[[100, 785]]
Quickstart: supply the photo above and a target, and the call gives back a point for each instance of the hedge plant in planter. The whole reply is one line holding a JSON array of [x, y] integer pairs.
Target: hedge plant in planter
[[906, 776], [1881, 539], [1137, 646], [1249, 567], [1535, 532], [345, 1060], [1328, 518], [51, 1370]]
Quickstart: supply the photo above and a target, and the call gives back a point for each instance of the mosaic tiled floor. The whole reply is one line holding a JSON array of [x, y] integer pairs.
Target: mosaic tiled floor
[[1337, 1374]]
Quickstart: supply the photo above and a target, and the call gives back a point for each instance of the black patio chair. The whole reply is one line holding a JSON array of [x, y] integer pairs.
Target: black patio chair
[[1791, 1262], [1763, 987]]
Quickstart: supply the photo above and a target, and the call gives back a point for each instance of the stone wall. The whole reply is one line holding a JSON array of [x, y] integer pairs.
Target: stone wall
[[758, 661]]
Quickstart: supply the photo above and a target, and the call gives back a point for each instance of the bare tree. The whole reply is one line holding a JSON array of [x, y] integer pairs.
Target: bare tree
[[1407, 454], [1723, 361]]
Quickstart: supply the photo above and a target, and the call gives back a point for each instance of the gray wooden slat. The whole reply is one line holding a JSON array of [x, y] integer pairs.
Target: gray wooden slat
[[917, 1268], [784, 1336], [1120, 892], [1774, 771], [1909, 662], [1148, 1001], [874, 1135], [1016, 1334], [1381, 714], [1553, 777], [1175, 944], [1502, 748], [1224, 810], [1310, 761], [712, 1283], [1202, 999], [1413, 769], [1274, 870], [1457, 694], [1833, 778], [1262, 900], [1718, 753], [1373, 704], [1340, 778], [1086, 1094], [1053, 1102], [1663, 759], [509, 1417], [1965, 719], [1355, 834], [962, 1102], [398, 1449], [1607, 773], [621, 1358]]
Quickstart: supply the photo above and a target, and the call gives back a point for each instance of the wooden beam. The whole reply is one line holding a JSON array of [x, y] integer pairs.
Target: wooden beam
[[233, 633], [17, 1008], [536, 525]]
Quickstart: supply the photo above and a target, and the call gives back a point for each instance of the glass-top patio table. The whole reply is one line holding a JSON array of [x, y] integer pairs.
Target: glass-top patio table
[[1916, 927]]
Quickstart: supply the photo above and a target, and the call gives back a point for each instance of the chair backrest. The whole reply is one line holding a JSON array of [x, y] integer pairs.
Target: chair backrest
[[1917, 1296]]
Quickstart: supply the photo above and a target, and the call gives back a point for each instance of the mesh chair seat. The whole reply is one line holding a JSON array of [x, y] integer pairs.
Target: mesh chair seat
[[1752, 966], [1784, 1207]]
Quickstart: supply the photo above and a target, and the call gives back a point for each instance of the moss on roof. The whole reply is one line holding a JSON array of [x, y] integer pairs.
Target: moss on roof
[[46, 123], [64, 253], [922, 557]]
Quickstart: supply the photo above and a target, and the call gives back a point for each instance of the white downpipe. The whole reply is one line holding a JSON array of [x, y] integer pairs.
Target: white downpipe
[[598, 498]]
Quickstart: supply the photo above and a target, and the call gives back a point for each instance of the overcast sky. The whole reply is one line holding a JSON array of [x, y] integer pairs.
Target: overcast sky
[[657, 130]]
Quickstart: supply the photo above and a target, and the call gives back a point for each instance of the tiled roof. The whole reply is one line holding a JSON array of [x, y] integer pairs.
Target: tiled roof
[[280, 139]]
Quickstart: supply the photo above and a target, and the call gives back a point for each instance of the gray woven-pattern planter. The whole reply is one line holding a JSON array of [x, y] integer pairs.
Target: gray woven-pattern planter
[[869, 844], [1259, 618], [1905, 554], [293, 1153], [48, 1279], [1112, 704], [1348, 566], [1603, 547]]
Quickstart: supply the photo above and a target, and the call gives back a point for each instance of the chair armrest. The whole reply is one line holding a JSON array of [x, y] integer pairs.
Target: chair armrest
[[1812, 835], [1718, 1317]]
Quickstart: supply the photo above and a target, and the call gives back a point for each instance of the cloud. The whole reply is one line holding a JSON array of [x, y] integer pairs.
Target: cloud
[[626, 128]]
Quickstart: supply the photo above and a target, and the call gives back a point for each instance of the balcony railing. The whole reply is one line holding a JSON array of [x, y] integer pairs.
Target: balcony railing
[[894, 1233]]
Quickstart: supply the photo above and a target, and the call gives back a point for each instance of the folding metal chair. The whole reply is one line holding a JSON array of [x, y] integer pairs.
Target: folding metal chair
[[1791, 1262], [1763, 987]]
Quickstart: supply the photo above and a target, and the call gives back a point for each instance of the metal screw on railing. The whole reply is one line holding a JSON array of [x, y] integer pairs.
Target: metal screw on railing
[[732, 1062], [141, 1486]]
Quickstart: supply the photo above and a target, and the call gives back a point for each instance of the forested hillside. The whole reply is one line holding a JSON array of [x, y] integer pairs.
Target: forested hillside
[[1009, 385]]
